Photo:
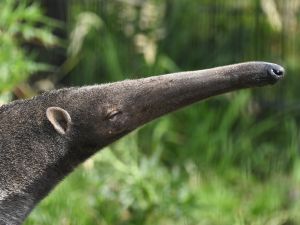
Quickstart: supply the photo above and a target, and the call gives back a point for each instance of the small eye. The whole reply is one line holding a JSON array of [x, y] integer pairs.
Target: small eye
[[112, 115]]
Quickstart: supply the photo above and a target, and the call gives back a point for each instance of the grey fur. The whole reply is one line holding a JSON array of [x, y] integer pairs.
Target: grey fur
[[38, 149]]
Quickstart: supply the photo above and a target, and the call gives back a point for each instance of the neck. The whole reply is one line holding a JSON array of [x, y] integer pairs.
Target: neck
[[32, 176], [15, 207]]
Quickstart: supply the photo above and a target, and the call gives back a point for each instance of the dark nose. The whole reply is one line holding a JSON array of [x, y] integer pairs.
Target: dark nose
[[276, 71]]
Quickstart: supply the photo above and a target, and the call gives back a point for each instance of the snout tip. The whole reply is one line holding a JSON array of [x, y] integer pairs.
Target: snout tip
[[275, 71]]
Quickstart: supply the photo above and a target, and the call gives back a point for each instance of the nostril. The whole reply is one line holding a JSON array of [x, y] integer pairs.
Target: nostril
[[277, 72]]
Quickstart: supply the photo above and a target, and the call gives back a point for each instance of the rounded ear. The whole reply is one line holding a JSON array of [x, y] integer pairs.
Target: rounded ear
[[59, 118]]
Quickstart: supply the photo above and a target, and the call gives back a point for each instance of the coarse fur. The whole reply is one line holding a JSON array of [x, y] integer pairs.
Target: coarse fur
[[44, 138]]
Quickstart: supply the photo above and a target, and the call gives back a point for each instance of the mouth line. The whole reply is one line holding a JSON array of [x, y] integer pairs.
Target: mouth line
[[267, 80]]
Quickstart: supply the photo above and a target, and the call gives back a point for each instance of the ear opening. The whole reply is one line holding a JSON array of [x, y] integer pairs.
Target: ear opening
[[59, 118]]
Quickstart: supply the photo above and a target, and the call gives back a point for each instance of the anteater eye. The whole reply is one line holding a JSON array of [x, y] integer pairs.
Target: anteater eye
[[112, 115]]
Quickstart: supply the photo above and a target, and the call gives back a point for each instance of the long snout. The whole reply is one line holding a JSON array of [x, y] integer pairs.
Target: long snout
[[245, 75], [155, 96]]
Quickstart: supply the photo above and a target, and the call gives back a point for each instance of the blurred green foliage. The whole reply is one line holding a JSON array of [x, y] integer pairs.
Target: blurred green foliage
[[22, 23], [233, 159]]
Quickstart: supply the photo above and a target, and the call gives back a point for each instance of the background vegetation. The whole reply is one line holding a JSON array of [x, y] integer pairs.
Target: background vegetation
[[233, 159]]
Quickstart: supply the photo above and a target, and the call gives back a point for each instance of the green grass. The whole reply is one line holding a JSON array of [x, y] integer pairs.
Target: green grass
[[108, 190]]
